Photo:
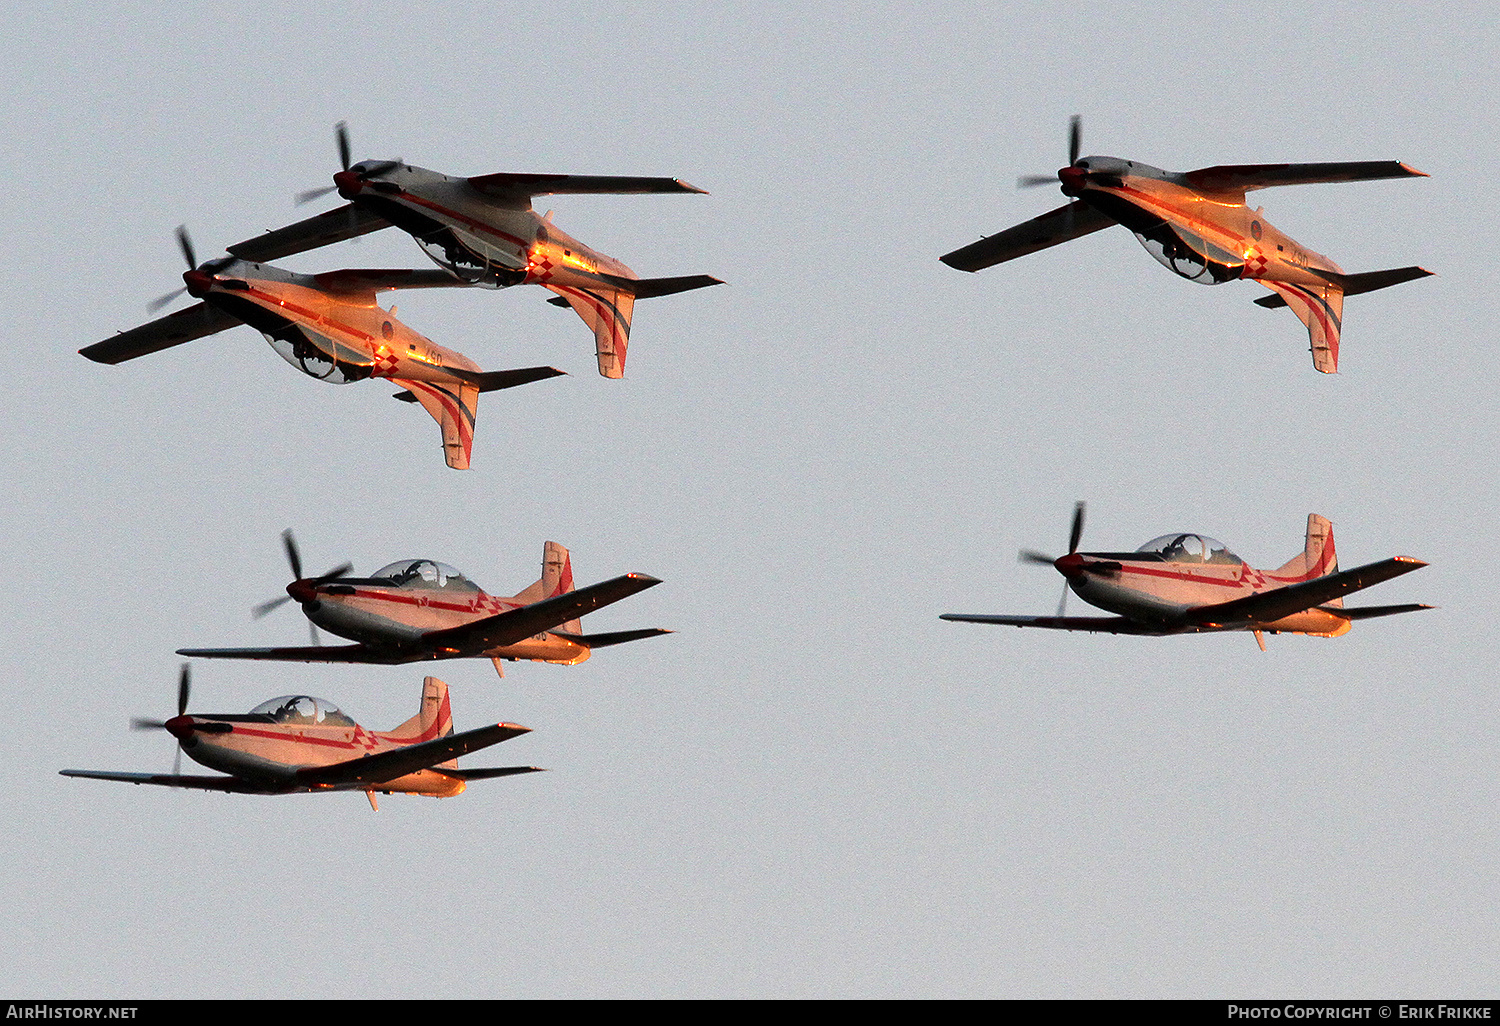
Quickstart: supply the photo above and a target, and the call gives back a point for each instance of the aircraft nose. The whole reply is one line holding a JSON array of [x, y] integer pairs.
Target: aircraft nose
[[304, 591], [348, 184], [1070, 565], [198, 283], [1072, 179], [180, 727]]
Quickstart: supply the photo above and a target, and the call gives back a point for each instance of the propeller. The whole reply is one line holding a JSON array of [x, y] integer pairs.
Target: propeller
[[1075, 535], [300, 585], [1075, 142], [341, 135], [184, 688], [185, 244]]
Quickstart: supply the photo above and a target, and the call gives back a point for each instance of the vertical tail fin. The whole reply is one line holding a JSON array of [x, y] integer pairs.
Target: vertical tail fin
[[1321, 308], [557, 579], [454, 406], [433, 720], [1318, 557], [607, 311]]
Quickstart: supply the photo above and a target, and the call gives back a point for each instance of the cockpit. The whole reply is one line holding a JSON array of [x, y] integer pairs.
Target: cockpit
[[1191, 255], [425, 573], [1190, 548], [303, 710]]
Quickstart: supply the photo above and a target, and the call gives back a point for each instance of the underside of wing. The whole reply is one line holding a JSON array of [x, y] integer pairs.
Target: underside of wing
[[397, 762], [368, 281], [341, 223], [518, 624], [197, 782], [196, 321], [1245, 177], [305, 654], [1095, 624], [1270, 606], [1056, 226], [508, 187]]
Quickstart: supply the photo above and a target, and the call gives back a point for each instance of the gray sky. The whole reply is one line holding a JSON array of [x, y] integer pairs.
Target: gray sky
[[815, 788]]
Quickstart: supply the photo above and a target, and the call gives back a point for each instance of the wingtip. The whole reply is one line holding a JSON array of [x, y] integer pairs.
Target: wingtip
[[689, 187]]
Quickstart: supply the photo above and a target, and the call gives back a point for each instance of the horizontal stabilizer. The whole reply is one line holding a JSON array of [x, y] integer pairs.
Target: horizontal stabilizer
[[358, 281], [493, 381], [1269, 606], [650, 288], [488, 773], [1236, 178], [1357, 284], [1056, 226], [196, 321], [397, 762], [338, 224], [1370, 612], [612, 638]]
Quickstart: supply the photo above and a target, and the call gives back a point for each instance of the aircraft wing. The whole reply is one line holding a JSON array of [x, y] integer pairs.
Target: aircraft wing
[[1268, 606], [1245, 177], [305, 654], [1095, 624], [202, 783], [518, 624], [368, 281], [196, 321], [338, 224], [397, 762], [1064, 224], [612, 638], [518, 189]]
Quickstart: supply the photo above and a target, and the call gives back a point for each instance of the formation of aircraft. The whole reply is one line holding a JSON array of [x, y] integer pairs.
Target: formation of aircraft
[[1199, 226], [483, 231], [329, 327], [417, 609], [1188, 583], [297, 743]]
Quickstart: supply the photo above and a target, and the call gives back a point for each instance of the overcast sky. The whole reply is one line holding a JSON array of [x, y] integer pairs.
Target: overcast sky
[[816, 788]]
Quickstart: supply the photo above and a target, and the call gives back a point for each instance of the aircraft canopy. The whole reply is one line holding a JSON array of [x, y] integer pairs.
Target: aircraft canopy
[[1190, 548], [426, 573], [303, 709]]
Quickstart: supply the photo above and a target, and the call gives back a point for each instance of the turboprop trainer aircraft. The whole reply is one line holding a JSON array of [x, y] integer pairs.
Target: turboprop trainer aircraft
[[298, 743], [416, 609], [328, 326], [484, 232], [1187, 583], [1198, 225]]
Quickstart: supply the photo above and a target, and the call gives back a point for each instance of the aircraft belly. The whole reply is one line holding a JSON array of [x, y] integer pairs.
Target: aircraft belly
[[547, 649], [229, 753], [364, 625]]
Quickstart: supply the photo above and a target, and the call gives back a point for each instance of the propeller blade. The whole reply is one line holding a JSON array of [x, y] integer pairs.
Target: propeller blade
[[1075, 139], [1031, 181], [185, 242], [289, 542], [312, 194], [184, 688], [1062, 603], [141, 723], [335, 573], [1039, 558], [266, 607], [341, 132], [1076, 535], [161, 301]]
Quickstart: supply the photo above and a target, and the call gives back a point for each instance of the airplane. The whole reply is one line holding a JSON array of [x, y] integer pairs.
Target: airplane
[[1188, 583], [417, 609], [483, 231], [297, 743], [1198, 225], [329, 327]]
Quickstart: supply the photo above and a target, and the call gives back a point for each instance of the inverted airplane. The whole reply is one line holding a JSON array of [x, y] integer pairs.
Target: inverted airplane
[[1197, 224], [297, 743], [329, 327], [483, 231], [417, 609], [1189, 583]]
